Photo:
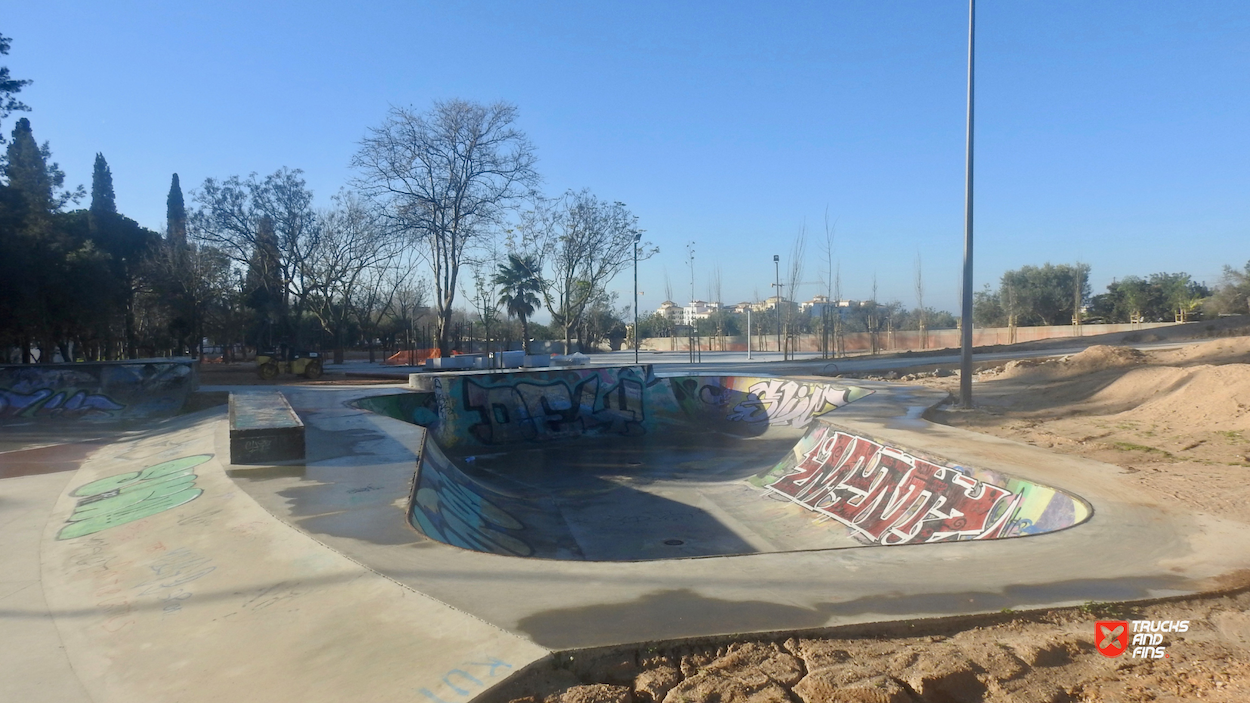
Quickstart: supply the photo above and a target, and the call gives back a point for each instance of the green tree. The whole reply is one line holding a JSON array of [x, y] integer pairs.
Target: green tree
[[40, 242], [175, 215], [519, 287], [1045, 295], [124, 242], [103, 200], [1232, 295], [9, 87]]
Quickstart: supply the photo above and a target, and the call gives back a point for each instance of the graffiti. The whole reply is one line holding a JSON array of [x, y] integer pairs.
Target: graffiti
[[447, 508], [131, 496], [171, 571], [758, 402], [788, 403], [462, 683], [559, 409], [889, 497], [93, 390], [417, 408], [44, 402]]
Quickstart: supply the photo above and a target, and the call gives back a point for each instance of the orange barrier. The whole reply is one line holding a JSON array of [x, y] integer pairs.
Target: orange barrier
[[411, 357]]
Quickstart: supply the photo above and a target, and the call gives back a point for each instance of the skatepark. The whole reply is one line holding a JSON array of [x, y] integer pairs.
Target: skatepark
[[438, 539]]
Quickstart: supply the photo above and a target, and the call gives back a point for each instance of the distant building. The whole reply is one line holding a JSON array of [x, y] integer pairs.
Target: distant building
[[698, 310], [820, 303], [670, 311]]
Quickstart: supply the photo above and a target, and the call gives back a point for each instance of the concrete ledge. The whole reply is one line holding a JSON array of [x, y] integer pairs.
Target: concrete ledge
[[264, 429]]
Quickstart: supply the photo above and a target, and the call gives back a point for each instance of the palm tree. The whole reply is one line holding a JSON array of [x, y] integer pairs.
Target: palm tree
[[519, 284]]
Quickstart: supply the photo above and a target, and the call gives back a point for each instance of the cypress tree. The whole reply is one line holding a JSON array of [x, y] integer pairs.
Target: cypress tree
[[175, 215], [27, 169], [103, 202]]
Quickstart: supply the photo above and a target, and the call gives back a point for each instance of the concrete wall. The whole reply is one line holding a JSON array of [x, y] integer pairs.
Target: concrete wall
[[899, 341], [889, 496], [110, 390], [489, 409]]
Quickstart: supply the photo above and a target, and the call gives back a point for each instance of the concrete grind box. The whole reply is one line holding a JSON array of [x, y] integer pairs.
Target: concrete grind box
[[264, 429]]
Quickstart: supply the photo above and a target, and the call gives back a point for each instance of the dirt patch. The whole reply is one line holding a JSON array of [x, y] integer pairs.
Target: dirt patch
[[1178, 421], [1044, 656]]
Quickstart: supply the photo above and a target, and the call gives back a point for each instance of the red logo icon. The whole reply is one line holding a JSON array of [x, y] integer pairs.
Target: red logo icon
[[1111, 637]]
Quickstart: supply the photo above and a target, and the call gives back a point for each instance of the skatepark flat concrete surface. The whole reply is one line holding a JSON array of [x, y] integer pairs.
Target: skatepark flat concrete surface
[[141, 566]]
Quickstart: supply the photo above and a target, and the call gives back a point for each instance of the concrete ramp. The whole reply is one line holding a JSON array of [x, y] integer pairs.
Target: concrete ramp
[[95, 391], [617, 464]]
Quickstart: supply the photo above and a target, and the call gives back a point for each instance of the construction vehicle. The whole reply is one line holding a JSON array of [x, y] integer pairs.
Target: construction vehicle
[[303, 363]]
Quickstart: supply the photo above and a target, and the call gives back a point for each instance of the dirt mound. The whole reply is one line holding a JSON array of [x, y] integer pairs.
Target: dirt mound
[[1211, 398], [1097, 358], [1227, 350], [1101, 357]]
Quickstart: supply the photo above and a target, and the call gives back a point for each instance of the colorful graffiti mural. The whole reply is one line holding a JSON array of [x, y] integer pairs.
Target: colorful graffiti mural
[[889, 497], [93, 391], [131, 496], [775, 402], [878, 494], [537, 406], [448, 507], [556, 408]]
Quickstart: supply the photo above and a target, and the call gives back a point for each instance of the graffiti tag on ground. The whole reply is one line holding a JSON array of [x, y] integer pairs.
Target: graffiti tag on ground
[[889, 497], [134, 495]]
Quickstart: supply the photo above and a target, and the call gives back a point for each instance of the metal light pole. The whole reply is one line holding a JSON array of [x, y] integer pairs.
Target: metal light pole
[[777, 298], [636, 238], [965, 358], [690, 248]]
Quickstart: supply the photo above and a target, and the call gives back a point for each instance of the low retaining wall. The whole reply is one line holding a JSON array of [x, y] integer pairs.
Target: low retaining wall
[[106, 390], [899, 340]]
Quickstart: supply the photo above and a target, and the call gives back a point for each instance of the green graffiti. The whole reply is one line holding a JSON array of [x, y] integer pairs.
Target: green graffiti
[[131, 496]]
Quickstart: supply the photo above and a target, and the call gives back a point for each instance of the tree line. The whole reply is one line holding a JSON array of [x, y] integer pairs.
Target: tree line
[[1060, 294], [253, 262]]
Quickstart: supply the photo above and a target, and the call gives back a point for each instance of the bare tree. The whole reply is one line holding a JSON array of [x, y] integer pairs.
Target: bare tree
[[483, 294], [715, 294], [270, 219], [348, 241], [922, 315], [831, 294], [794, 276], [375, 300], [446, 177], [583, 242]]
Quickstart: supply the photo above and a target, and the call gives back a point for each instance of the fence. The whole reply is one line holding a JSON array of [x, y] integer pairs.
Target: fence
[[897, 340]]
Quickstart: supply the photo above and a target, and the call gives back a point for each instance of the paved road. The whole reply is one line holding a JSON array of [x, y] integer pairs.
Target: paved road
[[773, 363]]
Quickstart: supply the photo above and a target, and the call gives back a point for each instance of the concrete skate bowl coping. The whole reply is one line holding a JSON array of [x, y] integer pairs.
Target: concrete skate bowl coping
[[95, 391], [618, 464]]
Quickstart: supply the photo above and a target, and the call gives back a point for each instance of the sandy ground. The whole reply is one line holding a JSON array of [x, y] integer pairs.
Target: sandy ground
[[1178, 420]]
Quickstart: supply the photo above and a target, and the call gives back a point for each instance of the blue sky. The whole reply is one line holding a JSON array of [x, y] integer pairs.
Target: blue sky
[[1112, 133]]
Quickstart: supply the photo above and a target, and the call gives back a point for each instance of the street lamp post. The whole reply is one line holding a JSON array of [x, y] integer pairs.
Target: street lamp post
[[777, 297], [636, 238], [965, 356], [690, 321]]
